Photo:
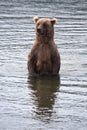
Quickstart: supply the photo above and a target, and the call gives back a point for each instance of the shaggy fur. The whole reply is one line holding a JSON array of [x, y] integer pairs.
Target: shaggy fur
[[44, 58]]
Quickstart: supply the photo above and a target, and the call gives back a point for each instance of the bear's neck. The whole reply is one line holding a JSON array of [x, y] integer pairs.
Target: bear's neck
[[44, 39]]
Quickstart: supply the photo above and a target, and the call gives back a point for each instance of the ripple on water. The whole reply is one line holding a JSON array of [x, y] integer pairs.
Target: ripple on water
[[47, 102]]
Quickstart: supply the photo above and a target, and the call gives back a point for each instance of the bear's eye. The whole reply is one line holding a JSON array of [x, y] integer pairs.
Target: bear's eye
[[38, 24]]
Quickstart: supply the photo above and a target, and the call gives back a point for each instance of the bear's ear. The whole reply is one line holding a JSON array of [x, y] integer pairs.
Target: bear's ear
[[53, 21], [35, 19]]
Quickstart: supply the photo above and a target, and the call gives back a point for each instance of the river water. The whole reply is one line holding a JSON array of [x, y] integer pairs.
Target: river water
[[43, 103]]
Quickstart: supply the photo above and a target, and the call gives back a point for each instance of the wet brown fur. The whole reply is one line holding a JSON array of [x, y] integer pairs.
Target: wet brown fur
[[44, 58]]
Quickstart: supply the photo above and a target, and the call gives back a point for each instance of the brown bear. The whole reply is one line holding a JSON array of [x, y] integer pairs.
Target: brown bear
[[44, 58]]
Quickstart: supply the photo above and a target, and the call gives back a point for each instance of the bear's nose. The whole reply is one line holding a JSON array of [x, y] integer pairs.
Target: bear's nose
[[38, 30]]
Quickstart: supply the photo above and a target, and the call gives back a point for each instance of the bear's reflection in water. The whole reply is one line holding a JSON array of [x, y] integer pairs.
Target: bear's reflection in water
[[44, 93]]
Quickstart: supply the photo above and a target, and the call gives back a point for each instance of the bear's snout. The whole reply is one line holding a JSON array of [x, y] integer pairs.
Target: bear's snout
[[41, 30]]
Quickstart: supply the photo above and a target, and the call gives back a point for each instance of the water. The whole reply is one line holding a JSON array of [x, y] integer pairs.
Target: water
[[43, 103]]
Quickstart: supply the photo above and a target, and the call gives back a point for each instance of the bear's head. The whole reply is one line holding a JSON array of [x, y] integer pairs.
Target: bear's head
[[44, 27]]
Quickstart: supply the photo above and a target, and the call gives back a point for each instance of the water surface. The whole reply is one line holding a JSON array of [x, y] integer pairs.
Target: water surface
[[43, 103]]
